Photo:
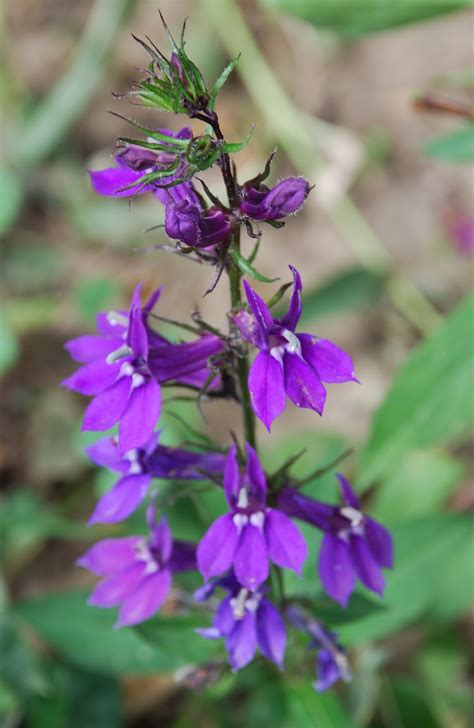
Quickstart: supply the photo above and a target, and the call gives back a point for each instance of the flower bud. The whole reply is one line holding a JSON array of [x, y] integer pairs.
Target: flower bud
[[262, 203]]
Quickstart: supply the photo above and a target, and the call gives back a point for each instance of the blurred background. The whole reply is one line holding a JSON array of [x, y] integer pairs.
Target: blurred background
[[383, 245]]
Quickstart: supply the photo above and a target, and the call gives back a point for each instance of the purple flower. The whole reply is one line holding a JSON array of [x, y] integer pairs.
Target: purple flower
[[251, 535], [134, 162], [353, 547], [138, 467], [288, 364], [331, 661], [136, 572], [123, 366], [461, 230], [261, 203], [245, 620], [188, 222]]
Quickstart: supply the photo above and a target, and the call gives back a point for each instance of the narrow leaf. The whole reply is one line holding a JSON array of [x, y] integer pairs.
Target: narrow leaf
[[245, 267]]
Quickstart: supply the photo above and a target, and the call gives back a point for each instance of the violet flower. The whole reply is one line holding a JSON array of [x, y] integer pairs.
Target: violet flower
[[136, 572], [123, 366], [245, 620], [288, 364], [354, 546], [264, 204], [138, 467], [331, 660], [188, 222], [134, 162], [251, 535], [461, 230]]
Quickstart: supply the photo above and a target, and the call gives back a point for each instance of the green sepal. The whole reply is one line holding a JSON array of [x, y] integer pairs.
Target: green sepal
[[245, 267], [221, 81], [233, 147]]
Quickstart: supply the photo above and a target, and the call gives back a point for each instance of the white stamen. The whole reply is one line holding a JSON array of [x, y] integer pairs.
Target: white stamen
[[257, 519], [277, 353], [117, 319], [238, 604], [118, 354], [240, 520], [354, 516], [243, 500], [126, 370], [137, 380], [135, 469], [293, 346]]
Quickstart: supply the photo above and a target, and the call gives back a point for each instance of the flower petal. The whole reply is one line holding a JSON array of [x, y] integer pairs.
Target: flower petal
[[259, 309], [327, 671], [140, 416], [104, 411], [89, 348], [292, 316], [302, 384], [271, 633], [216, 550], [251, 558], [111, 591], [110, 555], [106, 453], [336, 568], [145, 600], [380, 543], [224, 619], [231, 476], [113, 180], [331, 363], [183, 556], [349, 496], [122, 500], [137, 335], [286, 546], [241, 644], [93, 378], [266, 385], [255, 475], [368, 570]]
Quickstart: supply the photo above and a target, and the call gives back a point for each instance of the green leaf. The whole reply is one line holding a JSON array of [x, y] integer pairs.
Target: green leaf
[[233, 147], [307, 708], [429, 401], [350, 291], [9, 347], [409, 705], [85, 636], [457, 578], [359, 17], [248, 270], [423, 548], [420, 485], [221, 81], [93, 295], [455, 147]]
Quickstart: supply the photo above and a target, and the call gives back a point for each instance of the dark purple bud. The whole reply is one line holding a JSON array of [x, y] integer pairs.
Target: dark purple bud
[[214, 227], [182, 222], [286, 197], [137, 158]]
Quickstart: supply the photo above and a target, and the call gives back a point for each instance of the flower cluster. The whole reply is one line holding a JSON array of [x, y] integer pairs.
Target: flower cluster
[[246, 550]]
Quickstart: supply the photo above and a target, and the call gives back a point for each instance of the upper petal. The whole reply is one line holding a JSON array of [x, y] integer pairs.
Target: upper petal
[[93, 378], [122, 500], [336, 568], [259, 309], [251, 558], [286, 546], [349, 496], [115, 181], [331, 363], [216, 550], [266, 386], [271, 632], [110, 555], [140, 416], [105, 453], [88, 348], [146, 599], [293, 315], [111, 591], [231, 476], [302, 384], [256, 475], [105, 410]]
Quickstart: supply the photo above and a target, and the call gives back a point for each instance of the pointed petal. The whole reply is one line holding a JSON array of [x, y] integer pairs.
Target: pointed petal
[[259, 309], [368, 570], [216, 550], [331, 363], [161, 539], [231, 476], [302, 384], [122, 500], [241, 644], [286, 546], [140, 416], [145, 600], [106, 453], [111, 591], [336, 568], [93, 378], [251, 558], [380, 543], [292, 316], [266, 385], [271, 633], [111, 182], [297, 505], [349, 496], [153, 300], [137, 335], [108, 325], [327, 671], [110, 555], [224, 619], [256, 475], [89, 348], [106, 409]]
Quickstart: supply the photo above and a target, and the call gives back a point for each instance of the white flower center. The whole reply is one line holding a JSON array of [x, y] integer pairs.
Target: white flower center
[[137, 380], [354, 516], [118, 354], [240, 520], [257, 519], [117, 319], [292, 347]]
